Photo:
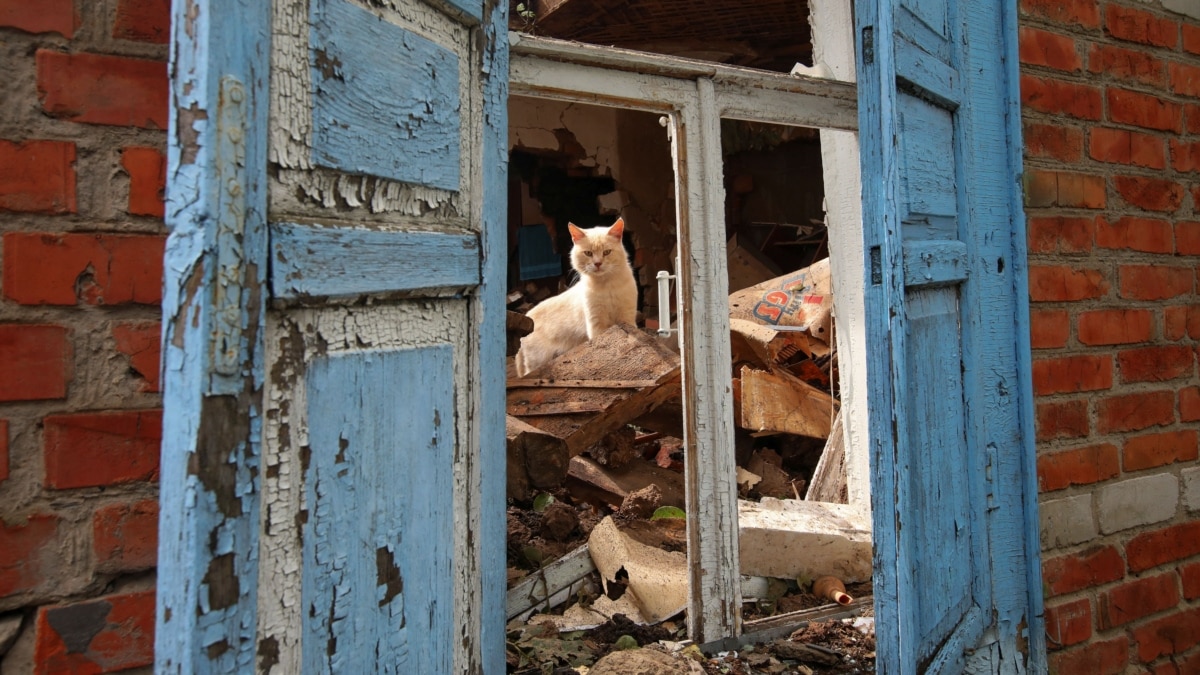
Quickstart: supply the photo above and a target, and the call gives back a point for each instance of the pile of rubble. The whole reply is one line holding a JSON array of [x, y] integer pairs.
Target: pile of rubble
[[595, 467]]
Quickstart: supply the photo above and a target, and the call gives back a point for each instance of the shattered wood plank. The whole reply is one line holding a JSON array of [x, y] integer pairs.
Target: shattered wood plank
[[783, 403], [581, 384], [583, 416], [752, 341], [588, 480], [536, 459], [540, 587], [829, 478]]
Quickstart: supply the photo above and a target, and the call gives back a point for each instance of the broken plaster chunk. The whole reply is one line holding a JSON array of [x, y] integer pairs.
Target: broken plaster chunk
[[657, 579], [789, 539]]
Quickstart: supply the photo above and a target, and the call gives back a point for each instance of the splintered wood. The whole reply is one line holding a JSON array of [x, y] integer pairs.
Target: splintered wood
[[597, 388]]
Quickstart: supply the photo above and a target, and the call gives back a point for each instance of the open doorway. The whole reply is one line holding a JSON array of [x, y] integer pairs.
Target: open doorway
[[748, 167]]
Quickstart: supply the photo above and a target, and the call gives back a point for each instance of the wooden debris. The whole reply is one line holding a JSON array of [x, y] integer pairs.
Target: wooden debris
[[589, 481], [550, 585], [645, 373], [779, 402], [747, 266], [775, 482], [829, 478], [800, 302], [536, 459], [516, 326]]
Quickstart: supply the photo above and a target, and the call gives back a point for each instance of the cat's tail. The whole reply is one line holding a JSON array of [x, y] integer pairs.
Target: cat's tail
[[519, 361]]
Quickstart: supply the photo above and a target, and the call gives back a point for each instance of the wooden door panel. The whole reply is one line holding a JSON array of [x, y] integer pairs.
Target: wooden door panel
[[378, 519], [386, 99]]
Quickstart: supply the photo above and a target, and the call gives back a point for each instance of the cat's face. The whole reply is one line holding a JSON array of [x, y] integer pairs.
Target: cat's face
[[598, 250]]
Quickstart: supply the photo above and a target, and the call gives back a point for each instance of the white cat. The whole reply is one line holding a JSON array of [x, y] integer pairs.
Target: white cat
[[606, 294]]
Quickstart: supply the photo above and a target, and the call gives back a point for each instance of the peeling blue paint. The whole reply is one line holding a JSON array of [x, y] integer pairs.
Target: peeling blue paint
[[950, 444], [378, 574], [213, 306], [385, 100]]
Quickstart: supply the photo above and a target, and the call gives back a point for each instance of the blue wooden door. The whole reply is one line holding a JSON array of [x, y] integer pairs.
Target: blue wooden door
[[953, 496], [333, 453]]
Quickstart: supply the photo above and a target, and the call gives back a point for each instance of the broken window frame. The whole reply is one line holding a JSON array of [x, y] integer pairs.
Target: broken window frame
[[695, 96]]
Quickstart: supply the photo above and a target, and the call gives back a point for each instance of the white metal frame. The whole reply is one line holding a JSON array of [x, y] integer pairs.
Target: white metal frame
[[695, 96]]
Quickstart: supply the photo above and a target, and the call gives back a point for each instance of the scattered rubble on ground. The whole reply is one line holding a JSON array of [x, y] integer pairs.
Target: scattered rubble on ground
[[597, 561]]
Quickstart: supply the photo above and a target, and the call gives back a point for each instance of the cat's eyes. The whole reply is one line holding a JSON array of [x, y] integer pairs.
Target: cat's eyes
[[607, 251], [588, 253]]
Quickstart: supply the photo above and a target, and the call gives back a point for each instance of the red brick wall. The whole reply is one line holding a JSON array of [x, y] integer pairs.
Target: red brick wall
[[83, 108], [1111, 98]]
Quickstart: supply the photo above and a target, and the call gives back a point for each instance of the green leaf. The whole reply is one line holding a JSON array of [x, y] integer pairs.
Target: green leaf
[[668, 512], [625, 642], [541, 501], [533, 554]]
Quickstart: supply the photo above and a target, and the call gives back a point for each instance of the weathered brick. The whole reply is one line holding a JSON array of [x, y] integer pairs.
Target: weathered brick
[[1130, 65], [1191, 580], [125, 536], [47, 16], [1049, 328], [28, 553], [102, 89], [1131, 412], [1135, 502], [1120, 146], [1148, 235], [3, 450], [1067, 521], [35, 362], [1079, 466], [1189, 404], [1191, 38], [1151, 549], [1071, 374], [1053, 141], [143, 20], [1156, 364], [1185, 79], [1047, 95], [1139, 598], [1039, 47], [1135, 25], [1152, 194], [1187, 237], [1065, 284], [1068, 623], [1192, 118], [37, 176], [1172, 634], [1155, 282], [1087, 569], [1060, 234], [1143, 110], [1115, 326], [105, 635], [1185, 157], [1062, 419], [96, 268], [147, 169], [1095, 658], [1064, 189], [1191, 487], [1082, 13], [139, 340], [98, 449]]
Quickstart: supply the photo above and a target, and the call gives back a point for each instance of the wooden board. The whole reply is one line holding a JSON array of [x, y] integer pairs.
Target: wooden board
[[581, 414], [780, 402], [588, 480]]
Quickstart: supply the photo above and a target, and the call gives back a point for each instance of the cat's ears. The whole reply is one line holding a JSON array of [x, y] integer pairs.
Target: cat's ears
[[616, 231]]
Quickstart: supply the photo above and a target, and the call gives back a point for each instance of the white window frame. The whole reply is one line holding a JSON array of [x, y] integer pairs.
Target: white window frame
[[695, 96]]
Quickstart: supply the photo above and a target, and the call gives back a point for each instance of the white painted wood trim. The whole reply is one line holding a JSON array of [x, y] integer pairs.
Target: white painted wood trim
[[833, 45], [714, 609]]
